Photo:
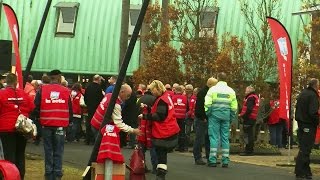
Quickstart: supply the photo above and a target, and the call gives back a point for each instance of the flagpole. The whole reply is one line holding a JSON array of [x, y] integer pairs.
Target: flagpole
[[116, 90], [37, 40]]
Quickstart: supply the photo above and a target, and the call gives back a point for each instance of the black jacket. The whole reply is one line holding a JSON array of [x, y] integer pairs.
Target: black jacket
[[130, 111], [92, 97], [307, 107], [199, 107]]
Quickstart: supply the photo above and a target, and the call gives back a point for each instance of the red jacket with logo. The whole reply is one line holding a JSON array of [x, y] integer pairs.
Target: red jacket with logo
[[9, 110], [110, 145], [168, 127], [76, 108], [54, 107], [274, 116], [254, 113], [180, 105], [101, 110]]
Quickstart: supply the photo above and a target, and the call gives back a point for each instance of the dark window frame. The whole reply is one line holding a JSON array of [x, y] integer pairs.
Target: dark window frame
[[59, 14]]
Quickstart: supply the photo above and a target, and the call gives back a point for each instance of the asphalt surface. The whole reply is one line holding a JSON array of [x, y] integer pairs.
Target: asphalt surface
[[180, 166]]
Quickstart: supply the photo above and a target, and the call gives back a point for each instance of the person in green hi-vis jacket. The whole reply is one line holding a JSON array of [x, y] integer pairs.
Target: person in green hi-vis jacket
[[221, 107]]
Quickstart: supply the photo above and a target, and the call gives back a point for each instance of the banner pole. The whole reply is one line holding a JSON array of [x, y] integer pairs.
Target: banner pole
[[36, 42]]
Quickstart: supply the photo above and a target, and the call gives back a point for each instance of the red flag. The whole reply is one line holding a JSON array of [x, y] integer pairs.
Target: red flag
[[14, 29], [283, 48]]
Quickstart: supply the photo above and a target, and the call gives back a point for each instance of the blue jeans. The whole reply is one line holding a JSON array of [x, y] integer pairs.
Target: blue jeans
[[276, 134], [201, 129], [153, 155], [74, 129], [53, 142]]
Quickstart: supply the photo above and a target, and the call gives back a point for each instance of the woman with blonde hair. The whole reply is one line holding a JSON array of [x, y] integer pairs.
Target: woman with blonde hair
[[165, 128]]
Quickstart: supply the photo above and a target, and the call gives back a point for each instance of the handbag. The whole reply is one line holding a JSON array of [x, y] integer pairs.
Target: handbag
[[24, 125], [137, 163]]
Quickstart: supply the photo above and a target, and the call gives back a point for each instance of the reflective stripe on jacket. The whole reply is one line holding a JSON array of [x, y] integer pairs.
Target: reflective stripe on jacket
[[54, 107], [221, 102], [110, 145]]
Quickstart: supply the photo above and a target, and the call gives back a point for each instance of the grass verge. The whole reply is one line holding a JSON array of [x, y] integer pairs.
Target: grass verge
[[35, 169]]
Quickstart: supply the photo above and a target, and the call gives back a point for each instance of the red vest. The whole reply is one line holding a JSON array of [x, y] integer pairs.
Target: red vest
[[168, 127], [110, 145], [9, 110], [54, 108], [145, 127], [274, 116], [180, 105], [192, 103], [76, 108], [101, 110], [170, 92], [254, 112]]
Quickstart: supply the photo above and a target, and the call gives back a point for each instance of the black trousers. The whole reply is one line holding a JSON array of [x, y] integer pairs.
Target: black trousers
[[14, 146], [89, 135], [306, 137], [248, 130], [162, 153], [182, 134]]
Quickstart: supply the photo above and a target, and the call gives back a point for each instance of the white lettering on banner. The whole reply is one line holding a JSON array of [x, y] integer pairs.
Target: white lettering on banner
[[282, 42], [55, 101]]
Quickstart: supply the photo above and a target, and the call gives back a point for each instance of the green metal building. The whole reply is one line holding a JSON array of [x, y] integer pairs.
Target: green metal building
[[82, 36]]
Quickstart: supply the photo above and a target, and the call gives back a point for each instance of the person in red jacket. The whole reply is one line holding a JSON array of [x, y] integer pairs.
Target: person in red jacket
[[77, 103], [180, 103], [110, 143], [275, 124], [53, 104], [11, 101], [165, 128]]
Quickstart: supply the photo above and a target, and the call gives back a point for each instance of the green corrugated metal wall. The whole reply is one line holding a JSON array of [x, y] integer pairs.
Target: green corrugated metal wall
[[95, 47], [230, 19]]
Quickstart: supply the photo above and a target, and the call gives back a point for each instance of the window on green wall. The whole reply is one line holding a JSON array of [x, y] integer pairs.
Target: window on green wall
[[66, 18], [208, 21], [133, 17]]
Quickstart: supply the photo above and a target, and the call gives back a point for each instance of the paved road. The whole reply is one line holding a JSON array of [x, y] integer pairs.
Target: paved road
[[181, 166]]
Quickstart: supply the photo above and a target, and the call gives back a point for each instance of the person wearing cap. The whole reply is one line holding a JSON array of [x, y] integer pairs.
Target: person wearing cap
[[54, 107], [220, 106], [201, 124], [13, 100], [92, 98]]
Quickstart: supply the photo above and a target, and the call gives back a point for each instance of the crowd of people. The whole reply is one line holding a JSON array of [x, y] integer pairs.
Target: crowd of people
[[158, 116]]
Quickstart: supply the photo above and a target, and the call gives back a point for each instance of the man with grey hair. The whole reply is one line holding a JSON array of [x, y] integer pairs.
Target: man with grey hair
[[249, 114], [307, 116]]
